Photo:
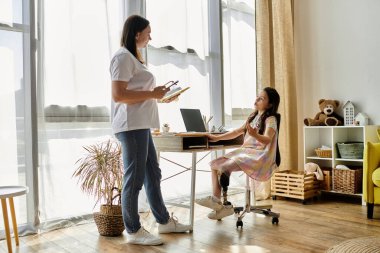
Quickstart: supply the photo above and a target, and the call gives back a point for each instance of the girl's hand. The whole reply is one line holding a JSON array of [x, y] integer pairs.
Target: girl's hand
[[252, 131], [212, 137]]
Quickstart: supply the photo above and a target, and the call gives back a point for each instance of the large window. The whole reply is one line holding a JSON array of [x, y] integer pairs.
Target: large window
[[74, 98], [55, 87], [179, 50], [239, 53], [14, 71]]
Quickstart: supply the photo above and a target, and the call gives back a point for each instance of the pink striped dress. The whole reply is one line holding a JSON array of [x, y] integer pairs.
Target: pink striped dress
[[256, 159]]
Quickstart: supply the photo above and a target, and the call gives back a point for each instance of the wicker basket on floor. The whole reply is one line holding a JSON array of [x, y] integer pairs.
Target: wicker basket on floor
[[348, 181], [109, 220]]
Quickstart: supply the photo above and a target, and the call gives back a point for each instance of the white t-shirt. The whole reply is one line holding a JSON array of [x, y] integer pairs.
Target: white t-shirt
[[125, 67]]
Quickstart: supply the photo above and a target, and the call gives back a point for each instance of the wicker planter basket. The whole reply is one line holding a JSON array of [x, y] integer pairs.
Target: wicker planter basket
[[323, 153], [110, 209], [348, 181], [109, 220]]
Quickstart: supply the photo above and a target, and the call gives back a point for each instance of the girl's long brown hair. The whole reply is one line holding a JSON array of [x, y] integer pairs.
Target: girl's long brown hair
[[133, 25], [274, 101]]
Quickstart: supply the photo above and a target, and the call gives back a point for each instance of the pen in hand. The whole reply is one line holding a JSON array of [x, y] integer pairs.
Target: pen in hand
[[174, 83]]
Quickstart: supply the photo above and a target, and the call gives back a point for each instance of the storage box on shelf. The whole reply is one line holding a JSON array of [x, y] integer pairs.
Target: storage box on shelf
[[326, 185], [295, 184], [318, 136], [348, 181], [323, 153], [350, 150]]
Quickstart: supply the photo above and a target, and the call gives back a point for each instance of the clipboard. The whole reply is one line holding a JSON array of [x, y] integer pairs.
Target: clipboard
[[173, 94]]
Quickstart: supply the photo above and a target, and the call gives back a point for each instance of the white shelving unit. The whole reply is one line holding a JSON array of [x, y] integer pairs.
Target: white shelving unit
[[316, 136]]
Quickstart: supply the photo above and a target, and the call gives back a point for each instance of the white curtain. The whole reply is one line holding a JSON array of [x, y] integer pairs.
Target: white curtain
[[79, 37], [6, 12], [191, 72], [12, 106], [182, 24], [8, 167], [239, 53], [76, 53]]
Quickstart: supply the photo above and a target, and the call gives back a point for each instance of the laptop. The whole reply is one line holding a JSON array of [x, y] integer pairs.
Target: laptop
[[193, 120]]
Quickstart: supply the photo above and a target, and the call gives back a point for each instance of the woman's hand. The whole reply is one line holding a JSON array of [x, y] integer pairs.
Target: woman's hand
[[213, 137], [159, 92], [175, 98], [252, 131]]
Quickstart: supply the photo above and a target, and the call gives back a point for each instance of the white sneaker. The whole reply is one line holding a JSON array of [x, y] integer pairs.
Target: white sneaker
[[210, 202], [143, 237], [220, 214], [173, 226]]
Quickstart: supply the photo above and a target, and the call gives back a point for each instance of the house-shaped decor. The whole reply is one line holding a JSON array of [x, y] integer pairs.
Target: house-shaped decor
[[349, 113], [361, 119]]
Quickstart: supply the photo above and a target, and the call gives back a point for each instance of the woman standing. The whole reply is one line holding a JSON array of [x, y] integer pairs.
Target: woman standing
[[135, 95]]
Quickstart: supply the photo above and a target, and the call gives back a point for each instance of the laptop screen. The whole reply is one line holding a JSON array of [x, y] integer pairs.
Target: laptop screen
[[193, 120]]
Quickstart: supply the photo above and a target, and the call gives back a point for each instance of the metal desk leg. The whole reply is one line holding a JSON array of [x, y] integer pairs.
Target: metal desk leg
[[192, 196]]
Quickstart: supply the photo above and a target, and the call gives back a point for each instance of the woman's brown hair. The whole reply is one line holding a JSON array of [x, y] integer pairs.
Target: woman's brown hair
[[133, 25]]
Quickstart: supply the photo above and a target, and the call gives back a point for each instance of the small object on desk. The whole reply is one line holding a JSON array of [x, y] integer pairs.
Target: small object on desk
[[165, 128], [209, 119], [221, 129], [206, 122]]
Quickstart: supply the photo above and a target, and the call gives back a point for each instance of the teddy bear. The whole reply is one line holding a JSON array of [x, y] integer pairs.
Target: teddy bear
[[327, 116]]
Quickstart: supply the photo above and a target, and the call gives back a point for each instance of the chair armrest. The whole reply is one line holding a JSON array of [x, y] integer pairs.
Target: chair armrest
[[370, 163]]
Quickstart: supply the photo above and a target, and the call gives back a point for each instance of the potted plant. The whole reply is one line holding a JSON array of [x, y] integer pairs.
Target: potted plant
[[99, 174], [165, 128]]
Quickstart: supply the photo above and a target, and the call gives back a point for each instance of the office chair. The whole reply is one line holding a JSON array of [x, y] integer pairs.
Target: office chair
[[224, 181]]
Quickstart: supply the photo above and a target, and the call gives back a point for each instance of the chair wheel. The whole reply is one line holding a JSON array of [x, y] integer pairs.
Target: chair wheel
[[275, 220], [239, 223], [227, 203]]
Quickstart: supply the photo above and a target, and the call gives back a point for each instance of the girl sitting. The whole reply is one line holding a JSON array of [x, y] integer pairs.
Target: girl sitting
[[258, 157]]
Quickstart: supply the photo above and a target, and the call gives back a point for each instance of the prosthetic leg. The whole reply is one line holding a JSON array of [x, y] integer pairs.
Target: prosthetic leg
[[224, 181]]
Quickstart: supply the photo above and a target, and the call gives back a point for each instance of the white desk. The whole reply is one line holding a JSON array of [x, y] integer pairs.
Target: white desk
[[191, 143]]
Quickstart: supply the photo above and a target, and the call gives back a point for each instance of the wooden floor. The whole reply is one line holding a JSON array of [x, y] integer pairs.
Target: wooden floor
[[313, 227]]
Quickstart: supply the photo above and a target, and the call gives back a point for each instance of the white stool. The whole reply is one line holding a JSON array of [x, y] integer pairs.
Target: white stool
[[8, 192]]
